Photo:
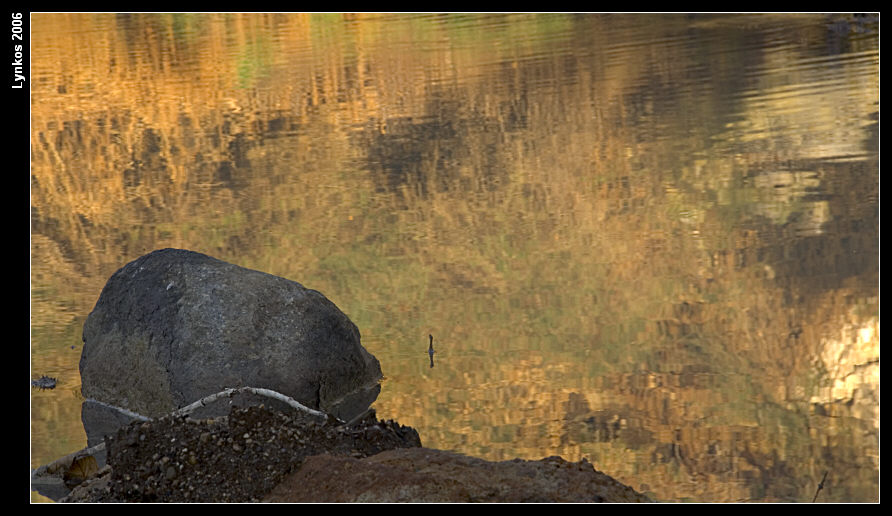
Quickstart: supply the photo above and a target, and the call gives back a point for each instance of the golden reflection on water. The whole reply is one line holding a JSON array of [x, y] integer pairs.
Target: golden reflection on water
[[650, 241]]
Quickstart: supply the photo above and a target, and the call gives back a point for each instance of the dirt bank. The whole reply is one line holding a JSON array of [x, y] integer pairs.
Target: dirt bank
[[256, 454]]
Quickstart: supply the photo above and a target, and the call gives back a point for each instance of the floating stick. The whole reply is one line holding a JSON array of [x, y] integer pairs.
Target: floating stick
[[820, 486]]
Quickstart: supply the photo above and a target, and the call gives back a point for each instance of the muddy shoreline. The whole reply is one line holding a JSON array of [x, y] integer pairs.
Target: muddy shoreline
[[255, 452]]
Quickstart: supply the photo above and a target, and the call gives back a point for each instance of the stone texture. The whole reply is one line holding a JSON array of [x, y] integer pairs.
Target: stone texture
[[428, 475], [174, 326]]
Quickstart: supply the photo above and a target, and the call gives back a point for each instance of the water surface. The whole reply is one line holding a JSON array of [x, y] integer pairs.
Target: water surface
[[646, 240]]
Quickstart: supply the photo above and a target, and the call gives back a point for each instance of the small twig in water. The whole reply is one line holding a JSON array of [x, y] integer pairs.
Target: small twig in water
[[820, 486]]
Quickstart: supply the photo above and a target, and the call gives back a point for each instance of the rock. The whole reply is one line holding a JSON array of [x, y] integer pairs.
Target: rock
[[44, 382], [174, 326], [428, 475]]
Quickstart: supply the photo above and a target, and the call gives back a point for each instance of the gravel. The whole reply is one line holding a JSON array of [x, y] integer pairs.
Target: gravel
[[237, 458]]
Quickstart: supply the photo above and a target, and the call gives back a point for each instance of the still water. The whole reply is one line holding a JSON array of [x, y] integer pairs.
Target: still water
[[646, 240]]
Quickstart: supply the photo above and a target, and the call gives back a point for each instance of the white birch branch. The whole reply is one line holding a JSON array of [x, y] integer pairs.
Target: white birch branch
[[291, 402]]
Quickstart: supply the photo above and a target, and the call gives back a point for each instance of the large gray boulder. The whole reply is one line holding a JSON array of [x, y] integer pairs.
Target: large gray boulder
[[174, 326]]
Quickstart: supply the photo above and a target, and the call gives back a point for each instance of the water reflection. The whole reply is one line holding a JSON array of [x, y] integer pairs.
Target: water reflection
[[650, 241]]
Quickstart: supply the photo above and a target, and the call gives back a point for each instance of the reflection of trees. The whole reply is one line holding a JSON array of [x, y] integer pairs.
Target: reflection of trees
[[563, 198], [437, 149]]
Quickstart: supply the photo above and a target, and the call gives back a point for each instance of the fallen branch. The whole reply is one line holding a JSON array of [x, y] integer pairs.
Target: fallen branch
[[229, 392], [122, 410], [59, 466], [291, 402]]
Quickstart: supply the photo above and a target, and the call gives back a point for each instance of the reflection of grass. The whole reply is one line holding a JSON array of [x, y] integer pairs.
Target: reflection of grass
[[413, 266], [461, 30], [186, 26], [571, 255], [508, 29], [254, 62]]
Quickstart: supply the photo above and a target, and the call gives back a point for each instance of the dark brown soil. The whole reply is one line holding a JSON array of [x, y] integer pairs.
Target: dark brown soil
[[257, 454], [424, 475], [238, 458]]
